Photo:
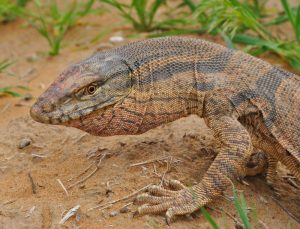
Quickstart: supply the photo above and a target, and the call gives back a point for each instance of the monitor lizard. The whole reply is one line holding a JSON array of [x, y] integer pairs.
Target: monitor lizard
[[128, 90]]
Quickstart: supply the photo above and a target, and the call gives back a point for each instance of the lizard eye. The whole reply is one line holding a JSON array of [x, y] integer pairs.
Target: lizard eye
[[91, 89]]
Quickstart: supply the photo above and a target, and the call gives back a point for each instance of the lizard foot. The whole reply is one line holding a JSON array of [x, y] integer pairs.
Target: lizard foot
[[258, 163], [180, 202]]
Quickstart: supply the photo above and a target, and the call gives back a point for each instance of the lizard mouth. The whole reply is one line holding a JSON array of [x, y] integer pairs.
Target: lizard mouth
[[56, 117], [49, 115]]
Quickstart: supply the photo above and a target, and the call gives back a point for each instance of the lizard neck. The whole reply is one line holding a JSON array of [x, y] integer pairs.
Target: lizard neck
[[138, 113]]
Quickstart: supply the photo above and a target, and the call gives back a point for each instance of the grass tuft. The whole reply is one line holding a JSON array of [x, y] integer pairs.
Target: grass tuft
[[209, 218], [10, 10], [52, 21], [5, 64], [241, 208], [142, 14], [235, 20], [10, 91], [138, 13]]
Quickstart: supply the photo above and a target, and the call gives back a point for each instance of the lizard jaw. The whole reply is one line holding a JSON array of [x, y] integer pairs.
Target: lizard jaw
[[56, 117]]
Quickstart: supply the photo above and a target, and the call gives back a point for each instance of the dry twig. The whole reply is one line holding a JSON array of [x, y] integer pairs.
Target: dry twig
[[263, 224], [91, 174], [149, 161], [63, 187], [83, 172], [110, 203], [33, 186]]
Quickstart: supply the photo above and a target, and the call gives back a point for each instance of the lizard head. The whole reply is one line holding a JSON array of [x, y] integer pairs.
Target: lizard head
[[95, 84]]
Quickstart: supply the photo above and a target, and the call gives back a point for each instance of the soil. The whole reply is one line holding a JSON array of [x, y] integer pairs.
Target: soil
[[31, 195]]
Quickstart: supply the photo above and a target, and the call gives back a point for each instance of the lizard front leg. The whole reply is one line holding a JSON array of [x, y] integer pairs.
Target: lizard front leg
[[229, 164]]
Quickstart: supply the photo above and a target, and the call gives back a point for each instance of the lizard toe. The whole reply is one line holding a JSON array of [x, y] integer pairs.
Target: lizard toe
[[174, 184], [182, 202], [180, 210], [159, 191], [149, 199]]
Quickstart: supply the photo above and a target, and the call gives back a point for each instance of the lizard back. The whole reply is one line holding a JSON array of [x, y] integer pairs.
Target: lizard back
[[275, 92]]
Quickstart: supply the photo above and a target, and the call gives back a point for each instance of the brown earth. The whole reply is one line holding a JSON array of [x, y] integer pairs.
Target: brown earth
[[30, 194]]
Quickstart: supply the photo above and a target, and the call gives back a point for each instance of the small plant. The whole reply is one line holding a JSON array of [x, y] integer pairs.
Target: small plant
[[142, 14], [52, 22], [9, 10], [8, 91], [230, 17], [240, 207], [5, 64], [139, 13], [293, 17], [233, 19], [209, 218]]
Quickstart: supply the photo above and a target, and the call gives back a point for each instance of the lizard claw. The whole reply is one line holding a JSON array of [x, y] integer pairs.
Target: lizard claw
[[180, 202], [169, 216]]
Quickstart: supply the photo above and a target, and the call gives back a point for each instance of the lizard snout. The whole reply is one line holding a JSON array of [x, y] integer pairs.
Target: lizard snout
[[39, 112]]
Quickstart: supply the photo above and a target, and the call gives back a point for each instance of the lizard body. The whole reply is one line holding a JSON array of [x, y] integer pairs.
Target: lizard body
[[128, 90]]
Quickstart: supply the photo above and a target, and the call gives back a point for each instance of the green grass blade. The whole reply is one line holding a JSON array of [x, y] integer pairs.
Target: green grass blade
[[190, 4], [177, 32], [122, 9], [294, 62], [22, 3], [209, 218], [25, 88], [155, 6], [87, 7], [241, 208], [38, 3], [140, 8], [250, 40], [288, 11], [227, 40], [54, 11], [9, 91], [5, 64], [297, 31]]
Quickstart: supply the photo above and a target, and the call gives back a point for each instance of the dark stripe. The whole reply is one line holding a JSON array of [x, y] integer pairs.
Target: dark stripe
[[164, 113], [161, 55], [131, 111], [267, 85], [243, 96], [128, 121], [205, 86], [162, 99], [213, 65], [217, 181]]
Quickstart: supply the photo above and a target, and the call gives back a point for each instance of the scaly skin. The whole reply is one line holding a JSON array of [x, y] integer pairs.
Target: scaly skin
[[245, 101]]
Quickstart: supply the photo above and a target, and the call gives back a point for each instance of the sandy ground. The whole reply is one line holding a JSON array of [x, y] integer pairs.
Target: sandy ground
[[30, 193]]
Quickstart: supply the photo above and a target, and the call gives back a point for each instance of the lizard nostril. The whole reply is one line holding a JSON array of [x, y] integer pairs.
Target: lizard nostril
[[48, 107]]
